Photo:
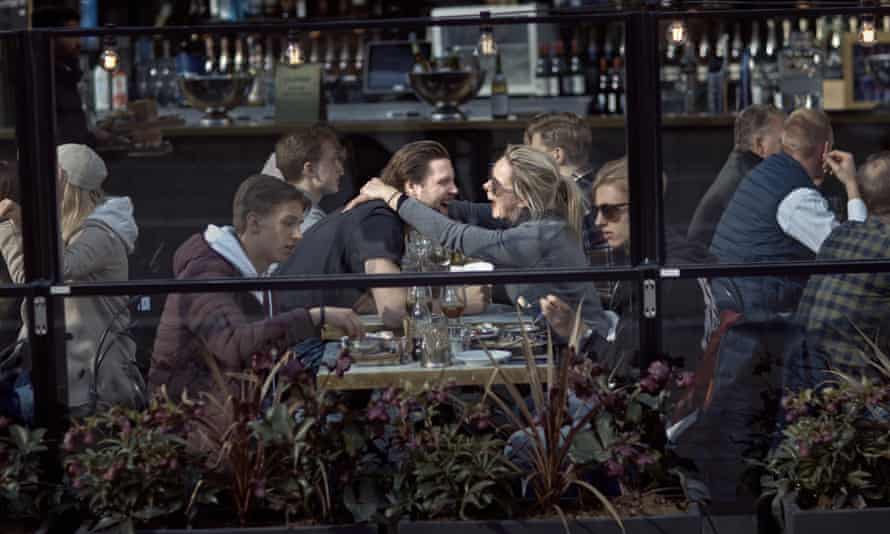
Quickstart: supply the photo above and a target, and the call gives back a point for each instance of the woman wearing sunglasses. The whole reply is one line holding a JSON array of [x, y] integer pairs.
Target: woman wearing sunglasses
[[537, 224], [684, 301]]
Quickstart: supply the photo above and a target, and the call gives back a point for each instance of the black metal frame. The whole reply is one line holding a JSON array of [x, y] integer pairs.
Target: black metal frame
[[35, 132]]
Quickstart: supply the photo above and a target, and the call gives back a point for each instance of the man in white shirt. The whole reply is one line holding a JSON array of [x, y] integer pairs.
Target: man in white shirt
[[311, 160], [777, 214]]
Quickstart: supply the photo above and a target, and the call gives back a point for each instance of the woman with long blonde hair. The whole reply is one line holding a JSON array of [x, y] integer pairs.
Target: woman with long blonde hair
[[98, 233], [533, 221]]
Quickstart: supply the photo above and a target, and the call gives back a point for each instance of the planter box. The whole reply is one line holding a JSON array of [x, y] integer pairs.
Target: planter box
[[688, 523], [319, 529], [867, 521]]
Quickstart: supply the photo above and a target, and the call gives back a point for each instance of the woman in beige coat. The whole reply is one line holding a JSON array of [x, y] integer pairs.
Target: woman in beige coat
[[98, 233]]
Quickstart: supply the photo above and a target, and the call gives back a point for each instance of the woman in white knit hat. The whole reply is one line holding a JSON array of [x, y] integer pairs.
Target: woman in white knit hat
[[98, 233]]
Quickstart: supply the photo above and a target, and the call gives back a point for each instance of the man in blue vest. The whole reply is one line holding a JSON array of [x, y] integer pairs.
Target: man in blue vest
[[777, 214]]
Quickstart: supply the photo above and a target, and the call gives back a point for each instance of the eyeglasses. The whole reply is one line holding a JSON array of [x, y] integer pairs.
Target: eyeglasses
[[610, 212], [497, 188]]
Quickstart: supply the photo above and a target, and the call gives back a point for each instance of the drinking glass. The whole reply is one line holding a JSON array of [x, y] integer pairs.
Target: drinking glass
[[453, 303], [436, 345]]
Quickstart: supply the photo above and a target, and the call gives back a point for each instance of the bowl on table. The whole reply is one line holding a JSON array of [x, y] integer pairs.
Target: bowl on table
[[215, 94]]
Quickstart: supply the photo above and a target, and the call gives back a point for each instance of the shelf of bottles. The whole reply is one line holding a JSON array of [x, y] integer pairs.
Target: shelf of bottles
[[787, 62]]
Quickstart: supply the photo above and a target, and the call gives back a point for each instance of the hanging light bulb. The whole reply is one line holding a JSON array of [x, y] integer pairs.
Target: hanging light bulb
[[487, 46], [109, 59], [867, 31], [294, 53], [677, 32]]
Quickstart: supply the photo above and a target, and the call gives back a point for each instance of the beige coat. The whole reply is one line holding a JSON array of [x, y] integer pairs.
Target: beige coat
[[96, 253]]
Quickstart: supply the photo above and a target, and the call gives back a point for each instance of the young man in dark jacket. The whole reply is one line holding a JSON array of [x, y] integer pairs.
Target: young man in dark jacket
[[231, 327]]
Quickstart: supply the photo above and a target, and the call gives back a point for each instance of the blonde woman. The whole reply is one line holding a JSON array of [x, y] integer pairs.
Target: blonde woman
[[98, 233], [533, 221]]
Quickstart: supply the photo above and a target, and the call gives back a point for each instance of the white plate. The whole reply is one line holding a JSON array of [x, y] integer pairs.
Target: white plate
[[478, 357]]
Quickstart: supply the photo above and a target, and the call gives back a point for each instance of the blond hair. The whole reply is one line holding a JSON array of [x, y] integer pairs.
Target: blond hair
[[537, 181], [806, 132], [614, 173], [77, 204]]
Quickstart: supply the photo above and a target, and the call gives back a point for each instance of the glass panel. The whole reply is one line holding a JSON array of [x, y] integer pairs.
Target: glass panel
[[180, 163]]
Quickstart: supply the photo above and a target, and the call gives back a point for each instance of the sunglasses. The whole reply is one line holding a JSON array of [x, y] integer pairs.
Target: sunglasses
[[610, 212]]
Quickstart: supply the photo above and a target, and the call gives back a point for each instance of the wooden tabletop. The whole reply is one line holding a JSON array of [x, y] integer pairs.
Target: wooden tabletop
[[413, 377]]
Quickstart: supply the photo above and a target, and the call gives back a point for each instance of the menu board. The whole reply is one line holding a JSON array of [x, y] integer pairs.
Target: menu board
[[867, 71], [298, 94]]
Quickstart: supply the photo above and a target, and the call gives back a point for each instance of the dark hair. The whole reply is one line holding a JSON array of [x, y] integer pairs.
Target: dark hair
[[411, 163], [9, 180], [874, 182], [260, 194], [53, 17], [752, 122], [296, 148], [563, 130]]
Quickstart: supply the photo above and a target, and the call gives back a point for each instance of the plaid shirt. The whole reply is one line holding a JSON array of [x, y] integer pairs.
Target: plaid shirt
[[833, 306]]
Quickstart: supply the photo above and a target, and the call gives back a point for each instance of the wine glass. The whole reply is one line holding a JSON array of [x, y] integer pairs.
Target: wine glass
[[453, 302]]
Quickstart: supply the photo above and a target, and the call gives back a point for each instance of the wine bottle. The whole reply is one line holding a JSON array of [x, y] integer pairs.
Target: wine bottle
[[500, 97], [557, 70], [224, 55], [542, 71], [578, 83]]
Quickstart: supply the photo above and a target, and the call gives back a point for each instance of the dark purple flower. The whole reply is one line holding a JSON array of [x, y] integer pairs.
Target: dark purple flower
[[650, 384], [110, 474], [647, 458], [614, 469], [259, 488], [624, 450], [659, 370], [293, 369], [377, 412], [803, 450], [261, 361], [390, 395], [686, 379], [77, 483]]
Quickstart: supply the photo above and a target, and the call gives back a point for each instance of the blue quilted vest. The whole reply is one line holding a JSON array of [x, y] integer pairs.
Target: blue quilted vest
[[748, 232]]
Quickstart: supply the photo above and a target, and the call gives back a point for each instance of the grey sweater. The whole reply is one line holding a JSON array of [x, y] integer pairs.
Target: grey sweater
[[532, 244]]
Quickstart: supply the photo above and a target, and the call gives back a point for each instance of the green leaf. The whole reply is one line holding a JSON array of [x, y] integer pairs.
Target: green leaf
[[586, 449], [604, 430], [19, 437], [634, 412]]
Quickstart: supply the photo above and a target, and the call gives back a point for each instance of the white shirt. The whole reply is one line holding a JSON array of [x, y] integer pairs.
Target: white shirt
[[805, 216]]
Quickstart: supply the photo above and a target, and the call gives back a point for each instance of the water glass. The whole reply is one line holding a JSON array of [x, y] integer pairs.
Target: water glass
[[436, 343]]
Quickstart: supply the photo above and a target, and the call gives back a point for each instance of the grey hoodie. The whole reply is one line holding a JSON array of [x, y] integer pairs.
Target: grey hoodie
[[97, 252]]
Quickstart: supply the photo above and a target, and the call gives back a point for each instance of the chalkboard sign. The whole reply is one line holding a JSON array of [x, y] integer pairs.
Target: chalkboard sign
[[866, 71]]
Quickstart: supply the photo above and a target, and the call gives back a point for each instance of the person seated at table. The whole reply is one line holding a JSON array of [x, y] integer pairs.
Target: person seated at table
[[567, 139], [843, 313], [311, 160], [371, 238], [543, 211], [228, 328], [682, 299]]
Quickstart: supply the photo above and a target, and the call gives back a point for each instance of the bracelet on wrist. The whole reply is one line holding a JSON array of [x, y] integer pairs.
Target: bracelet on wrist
[[392, 196]]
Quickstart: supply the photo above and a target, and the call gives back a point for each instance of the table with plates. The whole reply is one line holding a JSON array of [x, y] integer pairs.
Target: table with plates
[[412, 376]]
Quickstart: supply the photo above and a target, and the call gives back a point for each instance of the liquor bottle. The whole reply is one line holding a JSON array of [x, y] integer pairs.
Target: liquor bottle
[[256, 95], [209, 56], [733, 73], [689, 78], [542, 71], [578, 83], [592, 72], [349, 76], [602, 95], [331, 68], [314, 54], [769, 64], [360, 9], [557, 69], [286, 9], [269, 66], [271, 9], [119, 97], [224, 55], [821, 33], [254, 8], [717, 75], [755, 49], [704, 62], [671, 98], [500, 97], [421, 64], [833, 62], [238, 61], [616, 90], [786, 33], [300, 9], [101, 89]]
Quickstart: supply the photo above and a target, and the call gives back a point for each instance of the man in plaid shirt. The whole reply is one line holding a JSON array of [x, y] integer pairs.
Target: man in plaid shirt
[[568, 140], [836, 307]]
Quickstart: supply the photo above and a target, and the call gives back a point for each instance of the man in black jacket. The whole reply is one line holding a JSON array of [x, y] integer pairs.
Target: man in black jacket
[[758, 135], [71, 119]]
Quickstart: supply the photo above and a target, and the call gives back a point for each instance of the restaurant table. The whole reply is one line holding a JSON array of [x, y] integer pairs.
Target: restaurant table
[[414, 377]]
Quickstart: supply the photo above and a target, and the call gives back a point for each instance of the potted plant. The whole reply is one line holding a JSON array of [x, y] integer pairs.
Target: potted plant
[[579, 438], [23, 497], [831, 469]]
